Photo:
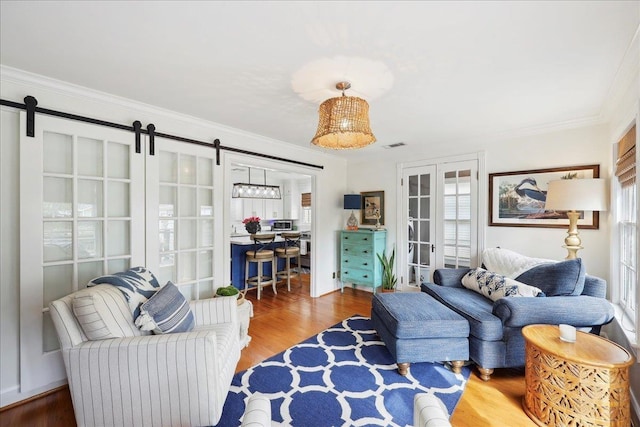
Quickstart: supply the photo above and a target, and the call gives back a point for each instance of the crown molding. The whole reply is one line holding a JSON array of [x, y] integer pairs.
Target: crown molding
[[622, 86]]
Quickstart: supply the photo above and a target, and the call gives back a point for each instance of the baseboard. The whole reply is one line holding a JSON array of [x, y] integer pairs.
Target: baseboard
[[12, 396]]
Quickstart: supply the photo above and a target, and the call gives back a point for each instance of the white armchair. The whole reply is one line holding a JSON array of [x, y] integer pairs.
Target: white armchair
[[134, 378]]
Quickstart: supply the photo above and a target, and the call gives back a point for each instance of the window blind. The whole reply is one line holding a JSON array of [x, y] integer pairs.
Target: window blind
[[626, 163], [306, 200]]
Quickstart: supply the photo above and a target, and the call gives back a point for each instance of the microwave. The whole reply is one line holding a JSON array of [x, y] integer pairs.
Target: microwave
[[282, 225]]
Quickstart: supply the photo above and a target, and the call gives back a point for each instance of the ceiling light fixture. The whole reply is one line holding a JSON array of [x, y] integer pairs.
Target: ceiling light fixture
[[243, 190], [343, 122]]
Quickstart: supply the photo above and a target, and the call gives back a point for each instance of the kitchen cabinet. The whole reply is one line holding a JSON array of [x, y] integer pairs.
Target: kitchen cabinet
[[359, 263]]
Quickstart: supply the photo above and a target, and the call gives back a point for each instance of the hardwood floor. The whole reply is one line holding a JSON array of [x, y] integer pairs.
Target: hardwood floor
[[283, 320]]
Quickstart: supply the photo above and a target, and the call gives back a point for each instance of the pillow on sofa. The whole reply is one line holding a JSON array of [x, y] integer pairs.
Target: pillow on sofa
[[495, 286], [103, 313], [558, 278], [137, 284], [166, 312]]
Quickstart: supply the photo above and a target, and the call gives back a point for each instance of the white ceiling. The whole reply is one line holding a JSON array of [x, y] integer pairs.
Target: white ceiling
[[448, 71]]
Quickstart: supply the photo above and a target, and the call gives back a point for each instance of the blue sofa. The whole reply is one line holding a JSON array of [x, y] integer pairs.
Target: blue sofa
[[495, 338]]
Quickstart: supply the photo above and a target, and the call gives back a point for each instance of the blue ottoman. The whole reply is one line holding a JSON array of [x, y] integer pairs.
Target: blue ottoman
[[417, 328]]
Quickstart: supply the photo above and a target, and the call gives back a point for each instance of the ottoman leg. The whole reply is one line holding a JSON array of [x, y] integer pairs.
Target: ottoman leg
[[485, 373], [456, 366], [403, 368]]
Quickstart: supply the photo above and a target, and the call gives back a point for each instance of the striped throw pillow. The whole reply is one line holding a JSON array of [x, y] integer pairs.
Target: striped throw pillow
[[166, 312]]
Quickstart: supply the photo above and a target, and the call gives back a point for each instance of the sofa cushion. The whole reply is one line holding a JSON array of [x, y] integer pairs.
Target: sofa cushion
[[418, 315], [103, 313], [166, 312], [136, 284], [555, 279], [495, 286], [470, 305]]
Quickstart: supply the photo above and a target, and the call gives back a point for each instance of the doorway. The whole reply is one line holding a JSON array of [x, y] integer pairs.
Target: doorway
[[293, 211], [440, 217]]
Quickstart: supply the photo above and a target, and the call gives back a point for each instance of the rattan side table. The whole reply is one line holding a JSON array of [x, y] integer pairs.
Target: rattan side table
[[584, 383]]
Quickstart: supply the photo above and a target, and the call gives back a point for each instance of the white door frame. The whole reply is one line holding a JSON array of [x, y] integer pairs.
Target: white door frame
[[482, 204]]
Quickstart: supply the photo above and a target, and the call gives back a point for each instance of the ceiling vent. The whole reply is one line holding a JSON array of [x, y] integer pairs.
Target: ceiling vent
[[397, 144]]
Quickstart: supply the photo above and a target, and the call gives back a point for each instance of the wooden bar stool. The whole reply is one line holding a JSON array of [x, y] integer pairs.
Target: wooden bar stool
[[261, 255], [290, 250]]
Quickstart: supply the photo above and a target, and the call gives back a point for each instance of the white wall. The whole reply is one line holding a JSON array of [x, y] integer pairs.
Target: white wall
[[15, 85], [588, 145]]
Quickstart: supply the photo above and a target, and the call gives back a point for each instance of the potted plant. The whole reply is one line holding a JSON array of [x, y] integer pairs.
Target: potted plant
[[252, 224], [227, 291], [389, 279]]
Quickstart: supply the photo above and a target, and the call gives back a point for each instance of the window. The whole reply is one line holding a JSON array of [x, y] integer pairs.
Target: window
[[626, 199]]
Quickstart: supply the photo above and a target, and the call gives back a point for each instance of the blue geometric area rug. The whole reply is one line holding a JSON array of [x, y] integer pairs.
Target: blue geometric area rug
[[344, 376]]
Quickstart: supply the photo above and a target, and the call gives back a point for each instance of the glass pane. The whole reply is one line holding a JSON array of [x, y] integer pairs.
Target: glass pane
[[118, 158], [167, 235], [413, 250], [205, 289], [167, 268], [187, 201], [89, 198], [90, 157], [450, 232], [206, 234], [425, 235], [187, 291], [413, 185], [450, 207], [88, 271], [464, 207], [57, 197], [89, 239], [464, 233], [49, 335], [205, 172], [58, 282], [118, 238], [168, 167], [413, 208], [167, 201], [425, 185], [425, 204], [117, 265], [425, 254], [57, 241], [187, 267], [205, 201], [118, 199], [58, 150], [187, 234], [205, 266], [187, 169]]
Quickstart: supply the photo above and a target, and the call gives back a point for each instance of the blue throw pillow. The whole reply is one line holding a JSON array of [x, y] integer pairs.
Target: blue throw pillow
[[166, 312], [555, 279], [138, 284]]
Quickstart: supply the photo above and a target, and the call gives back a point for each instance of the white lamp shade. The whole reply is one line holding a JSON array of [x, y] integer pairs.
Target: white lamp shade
[[577, 195]]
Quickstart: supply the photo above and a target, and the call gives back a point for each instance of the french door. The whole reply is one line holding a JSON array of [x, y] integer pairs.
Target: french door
[[90, 205], [439, 208]]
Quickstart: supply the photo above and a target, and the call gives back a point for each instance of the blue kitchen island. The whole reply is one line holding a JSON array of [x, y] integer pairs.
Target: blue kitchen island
[[240, 244]]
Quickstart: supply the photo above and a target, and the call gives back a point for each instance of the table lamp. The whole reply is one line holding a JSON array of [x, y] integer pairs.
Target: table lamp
[[574, 195], [352, 201]]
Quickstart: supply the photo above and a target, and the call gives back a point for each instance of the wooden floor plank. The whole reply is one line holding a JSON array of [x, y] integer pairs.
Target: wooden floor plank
[[283, 320]]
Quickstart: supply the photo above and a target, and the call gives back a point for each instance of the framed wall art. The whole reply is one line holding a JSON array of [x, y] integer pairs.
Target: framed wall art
[[517, 199], [372, 206]]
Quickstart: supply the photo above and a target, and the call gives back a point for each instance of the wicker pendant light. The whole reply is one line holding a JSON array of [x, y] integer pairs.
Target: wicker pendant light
[[344, 122]]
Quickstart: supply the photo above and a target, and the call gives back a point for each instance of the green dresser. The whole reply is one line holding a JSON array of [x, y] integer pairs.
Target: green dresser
[[358, 261]]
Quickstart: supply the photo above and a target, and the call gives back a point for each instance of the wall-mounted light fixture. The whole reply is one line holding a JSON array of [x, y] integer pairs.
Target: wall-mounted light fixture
[[242, 190]]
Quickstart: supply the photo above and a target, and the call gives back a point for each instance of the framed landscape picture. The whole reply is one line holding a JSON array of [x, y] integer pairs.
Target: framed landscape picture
[[372, 206], [517, 199]]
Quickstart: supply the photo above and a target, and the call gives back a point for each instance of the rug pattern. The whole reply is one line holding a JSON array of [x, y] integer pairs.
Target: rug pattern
[[344, 376]]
